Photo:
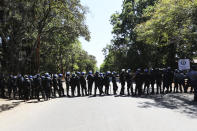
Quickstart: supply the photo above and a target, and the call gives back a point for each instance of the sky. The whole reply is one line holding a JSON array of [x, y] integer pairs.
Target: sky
[[98, 21]]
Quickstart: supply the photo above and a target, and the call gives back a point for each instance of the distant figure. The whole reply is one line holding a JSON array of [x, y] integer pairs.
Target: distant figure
[[77, 80], [55, 85], [67, 83], [38, 86], [96, 82], [129, 82], [27, 85], [2, 85], [107, 82], [90, 79], [47, 85], [73, 85], [115, 86], [158, 80], [146, 78], [83, 84], [192, 76], [152, 80], [139, 82], [122, 81], [60, 85]]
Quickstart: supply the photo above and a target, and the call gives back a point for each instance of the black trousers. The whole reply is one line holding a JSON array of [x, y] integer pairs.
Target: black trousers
[[115, 88], [90, 88], [122, 88], [67, 88]]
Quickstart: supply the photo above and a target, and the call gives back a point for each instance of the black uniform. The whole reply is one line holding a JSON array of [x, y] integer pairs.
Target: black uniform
[[73, 85], [146, 79], [122, 81], [139, 82], [152, 80], [77, 80], [26, 90], [67, 84], [12, 86], [20, 81], [107, 84], [55, 86], [2, 86], [170, 80], [32, 88], [192, 76], [90, 79], [115, 86], [83, 85], [182, 82], [158, 80], [38, 88], [97, 82], [47, 87], [101, 83], [129, 83], [165, 81]]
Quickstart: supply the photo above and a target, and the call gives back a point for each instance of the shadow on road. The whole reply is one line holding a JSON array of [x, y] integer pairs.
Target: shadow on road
[[179, 102], [6, 107]]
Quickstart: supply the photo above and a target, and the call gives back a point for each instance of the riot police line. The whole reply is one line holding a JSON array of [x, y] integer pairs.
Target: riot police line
[[133, 83]]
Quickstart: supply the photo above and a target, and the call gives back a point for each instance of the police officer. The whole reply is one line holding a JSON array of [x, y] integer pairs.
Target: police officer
[[181, 82], [2, 85], [55, 85], [47, 86], [38, 87], [107, 82], [115, 86], [152, 80], [139, 82], [20, 81], [10, 85], [158, 80], [32, 88], [192, 76], [96, 82], [165, 81], [129, 82], [26, 90], [67, 83], [43, 87], [14, 86], [176, 80], [83, 84], [90, 80], [60, 85], [122, 81], [146, 79], [101, 83], [73, 85], [77, 80], [170, 78]]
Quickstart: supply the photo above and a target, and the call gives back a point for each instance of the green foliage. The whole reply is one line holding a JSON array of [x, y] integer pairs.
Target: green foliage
[[125, 49], [42, 33], [172, 26], [152, 33]]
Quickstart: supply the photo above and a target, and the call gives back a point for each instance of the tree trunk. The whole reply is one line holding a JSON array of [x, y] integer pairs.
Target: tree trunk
[[38, 55]]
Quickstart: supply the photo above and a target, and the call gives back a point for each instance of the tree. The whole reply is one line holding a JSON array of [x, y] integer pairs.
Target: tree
[[171, 27], [126, 50], [36, 33]]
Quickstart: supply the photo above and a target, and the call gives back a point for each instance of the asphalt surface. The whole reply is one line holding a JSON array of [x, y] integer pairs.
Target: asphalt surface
[[173, 112]]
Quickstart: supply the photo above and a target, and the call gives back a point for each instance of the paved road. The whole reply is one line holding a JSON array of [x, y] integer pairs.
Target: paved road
[[109, 113]]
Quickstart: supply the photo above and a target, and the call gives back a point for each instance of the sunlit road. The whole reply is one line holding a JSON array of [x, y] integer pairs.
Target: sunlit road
[[109, 113]]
